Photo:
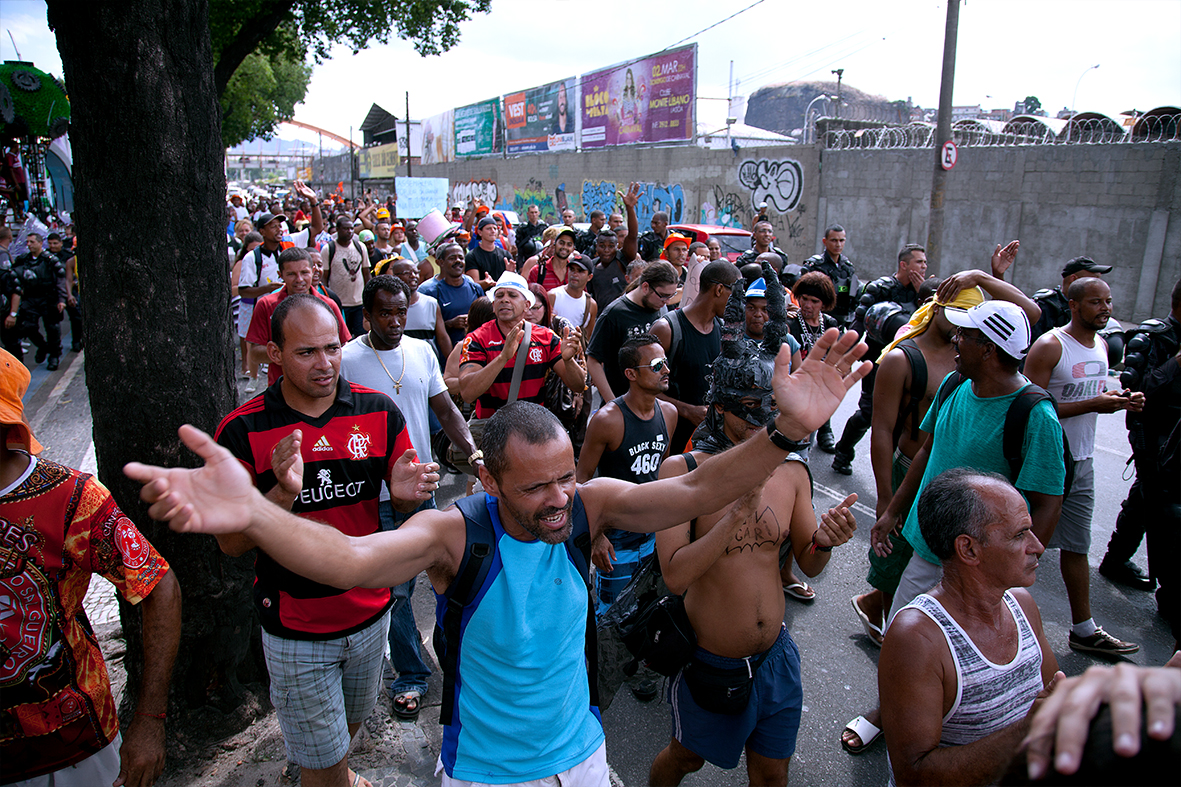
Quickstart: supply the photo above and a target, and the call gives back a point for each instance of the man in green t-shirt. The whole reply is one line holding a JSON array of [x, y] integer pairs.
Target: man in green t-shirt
[[966, 431]]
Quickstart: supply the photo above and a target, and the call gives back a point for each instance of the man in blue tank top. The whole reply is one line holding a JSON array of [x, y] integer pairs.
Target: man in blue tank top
[[963, 665], [523, 635]]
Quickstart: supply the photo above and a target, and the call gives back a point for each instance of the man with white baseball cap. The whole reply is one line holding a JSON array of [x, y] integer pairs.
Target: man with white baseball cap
[[488, 357], [965, 426]]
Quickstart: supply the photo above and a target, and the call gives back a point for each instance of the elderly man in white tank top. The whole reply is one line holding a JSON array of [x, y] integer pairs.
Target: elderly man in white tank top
[[1071, 363], [964, 665]]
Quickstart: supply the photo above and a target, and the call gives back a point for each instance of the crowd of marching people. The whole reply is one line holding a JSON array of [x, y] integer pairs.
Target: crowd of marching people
[[561, 369]]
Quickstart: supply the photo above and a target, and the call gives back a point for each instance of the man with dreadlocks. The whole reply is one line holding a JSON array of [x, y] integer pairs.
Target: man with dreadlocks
[[742, 689]]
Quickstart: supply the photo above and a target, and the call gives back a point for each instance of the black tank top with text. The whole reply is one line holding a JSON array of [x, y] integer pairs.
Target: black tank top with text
[[637, 459]]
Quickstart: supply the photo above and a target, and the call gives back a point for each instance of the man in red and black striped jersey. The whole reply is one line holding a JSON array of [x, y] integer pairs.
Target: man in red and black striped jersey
[[345, 440], [489, 353]]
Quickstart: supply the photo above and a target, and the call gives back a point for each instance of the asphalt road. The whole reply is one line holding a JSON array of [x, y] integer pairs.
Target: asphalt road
[[839, 663]]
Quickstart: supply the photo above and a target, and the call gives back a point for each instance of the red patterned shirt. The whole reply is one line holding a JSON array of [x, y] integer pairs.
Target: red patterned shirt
[[486, 342], [57, 527]]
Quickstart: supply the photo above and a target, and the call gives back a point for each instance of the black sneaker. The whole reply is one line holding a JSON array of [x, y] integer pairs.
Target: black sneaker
[[1127, 574], [825, 441], [52, 365], [1102, 642], [41, 353], [842, 464]]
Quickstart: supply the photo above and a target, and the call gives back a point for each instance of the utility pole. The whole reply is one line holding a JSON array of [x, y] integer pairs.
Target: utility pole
[[942, 135], [840, 72], [408, 172]]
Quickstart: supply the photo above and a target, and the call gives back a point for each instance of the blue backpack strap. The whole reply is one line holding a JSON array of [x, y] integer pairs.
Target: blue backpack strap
[[473, 570]]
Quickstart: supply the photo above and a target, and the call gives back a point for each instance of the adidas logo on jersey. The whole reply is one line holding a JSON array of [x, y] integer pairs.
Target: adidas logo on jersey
[[322, 444]]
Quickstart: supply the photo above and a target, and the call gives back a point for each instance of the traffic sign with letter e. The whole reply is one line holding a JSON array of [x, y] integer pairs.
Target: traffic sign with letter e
[[948, 155]]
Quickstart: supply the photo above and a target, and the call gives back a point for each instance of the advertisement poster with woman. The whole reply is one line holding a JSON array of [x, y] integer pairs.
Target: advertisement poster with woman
[[541, 119], [646, 100]]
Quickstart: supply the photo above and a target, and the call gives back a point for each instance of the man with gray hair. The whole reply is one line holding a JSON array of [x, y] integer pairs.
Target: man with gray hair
[[973, 644]]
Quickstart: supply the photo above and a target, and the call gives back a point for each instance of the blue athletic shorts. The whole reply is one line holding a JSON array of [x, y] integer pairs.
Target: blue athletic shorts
[[768, 725]]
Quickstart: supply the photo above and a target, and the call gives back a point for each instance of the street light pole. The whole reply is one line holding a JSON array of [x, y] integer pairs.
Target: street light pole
[[1074, 100], [840, 72], [808, 111], [942, 135]]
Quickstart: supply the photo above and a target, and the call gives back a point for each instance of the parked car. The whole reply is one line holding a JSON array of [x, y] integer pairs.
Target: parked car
[[734, 240]]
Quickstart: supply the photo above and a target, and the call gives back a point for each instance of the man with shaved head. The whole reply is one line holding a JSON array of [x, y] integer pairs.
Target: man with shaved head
[[1071, 363]]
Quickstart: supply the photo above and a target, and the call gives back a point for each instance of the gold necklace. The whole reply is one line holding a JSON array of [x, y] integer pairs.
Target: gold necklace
[[397, 383]]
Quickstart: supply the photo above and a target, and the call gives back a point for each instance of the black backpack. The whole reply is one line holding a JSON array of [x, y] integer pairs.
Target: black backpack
[[473, 570], [1016, 420]]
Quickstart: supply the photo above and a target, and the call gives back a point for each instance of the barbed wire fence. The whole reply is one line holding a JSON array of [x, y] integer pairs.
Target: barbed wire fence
[[1092, 131]]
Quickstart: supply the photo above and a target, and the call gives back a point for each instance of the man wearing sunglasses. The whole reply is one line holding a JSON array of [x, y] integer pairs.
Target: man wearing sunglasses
[[629, 315]]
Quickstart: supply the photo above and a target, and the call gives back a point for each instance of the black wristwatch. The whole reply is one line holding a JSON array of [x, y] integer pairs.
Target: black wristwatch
[[782, 442]]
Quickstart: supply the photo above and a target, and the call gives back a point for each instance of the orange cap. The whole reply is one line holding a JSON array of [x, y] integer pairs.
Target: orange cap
[[14, 381]]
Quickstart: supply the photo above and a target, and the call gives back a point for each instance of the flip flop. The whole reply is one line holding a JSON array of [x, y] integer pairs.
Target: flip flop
[[800, 591], [407, 704], [873, 632], [863, 729]]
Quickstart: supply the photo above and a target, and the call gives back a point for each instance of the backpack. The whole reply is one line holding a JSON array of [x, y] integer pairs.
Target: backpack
[[469, 580], [283, 244], [1016, 420], [332, 252], [918, 383]]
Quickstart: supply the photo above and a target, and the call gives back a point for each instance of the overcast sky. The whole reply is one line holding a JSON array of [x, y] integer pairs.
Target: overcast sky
[[1007, 49]]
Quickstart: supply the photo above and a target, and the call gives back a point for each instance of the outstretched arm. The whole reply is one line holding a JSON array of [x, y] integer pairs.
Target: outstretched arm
[[219, 498], [806, 399]]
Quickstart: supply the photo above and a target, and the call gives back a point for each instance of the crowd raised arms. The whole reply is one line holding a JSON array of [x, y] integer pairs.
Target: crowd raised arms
[[622, 403]]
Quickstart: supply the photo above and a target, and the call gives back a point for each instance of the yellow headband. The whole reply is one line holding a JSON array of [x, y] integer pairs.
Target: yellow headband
[[966, 299]]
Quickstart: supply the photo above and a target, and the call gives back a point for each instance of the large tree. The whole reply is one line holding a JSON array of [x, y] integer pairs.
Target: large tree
[[149, 207]]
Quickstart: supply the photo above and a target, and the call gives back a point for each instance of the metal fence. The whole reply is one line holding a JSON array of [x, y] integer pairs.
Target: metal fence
[[984, 133]]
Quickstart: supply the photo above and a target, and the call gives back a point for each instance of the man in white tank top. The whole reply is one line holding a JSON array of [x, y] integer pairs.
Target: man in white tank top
[[963, 665], [571, 301], [1071, 363]]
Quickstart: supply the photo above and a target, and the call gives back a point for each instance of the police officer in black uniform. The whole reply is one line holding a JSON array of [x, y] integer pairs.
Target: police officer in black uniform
[[900, 288], [837, 267], [651, 243], [762, 241], [43, 280], [73, 300], [1151, 346]]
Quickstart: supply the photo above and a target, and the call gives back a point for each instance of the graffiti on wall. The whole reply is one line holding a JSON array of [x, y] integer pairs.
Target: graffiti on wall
[[654, 197], [724, 209], [778, 183], [533, 193], [465, 192], [600, 195]]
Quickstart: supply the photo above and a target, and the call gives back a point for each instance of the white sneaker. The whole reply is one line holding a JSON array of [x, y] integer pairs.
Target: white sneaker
[[252, 386]]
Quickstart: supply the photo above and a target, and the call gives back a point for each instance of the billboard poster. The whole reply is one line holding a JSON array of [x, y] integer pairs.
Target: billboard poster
[[378, 161], [541, 119], [438, 138], [477, 129], [650, 99]]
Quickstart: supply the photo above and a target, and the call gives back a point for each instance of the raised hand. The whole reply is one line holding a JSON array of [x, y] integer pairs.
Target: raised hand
[[513, 340], [837, 524], [413, 480], [1004, 257], [807, 398], [218, 497], [632, 197]]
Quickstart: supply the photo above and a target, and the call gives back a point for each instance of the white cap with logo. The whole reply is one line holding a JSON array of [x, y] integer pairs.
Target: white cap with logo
[[514, 281], [1004, 324]]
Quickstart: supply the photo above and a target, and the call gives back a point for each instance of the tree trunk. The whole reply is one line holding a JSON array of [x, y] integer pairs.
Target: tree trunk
[[149, 190]]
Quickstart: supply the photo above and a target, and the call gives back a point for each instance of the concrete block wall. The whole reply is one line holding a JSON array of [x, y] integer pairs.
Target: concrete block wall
[[1120, 204]]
